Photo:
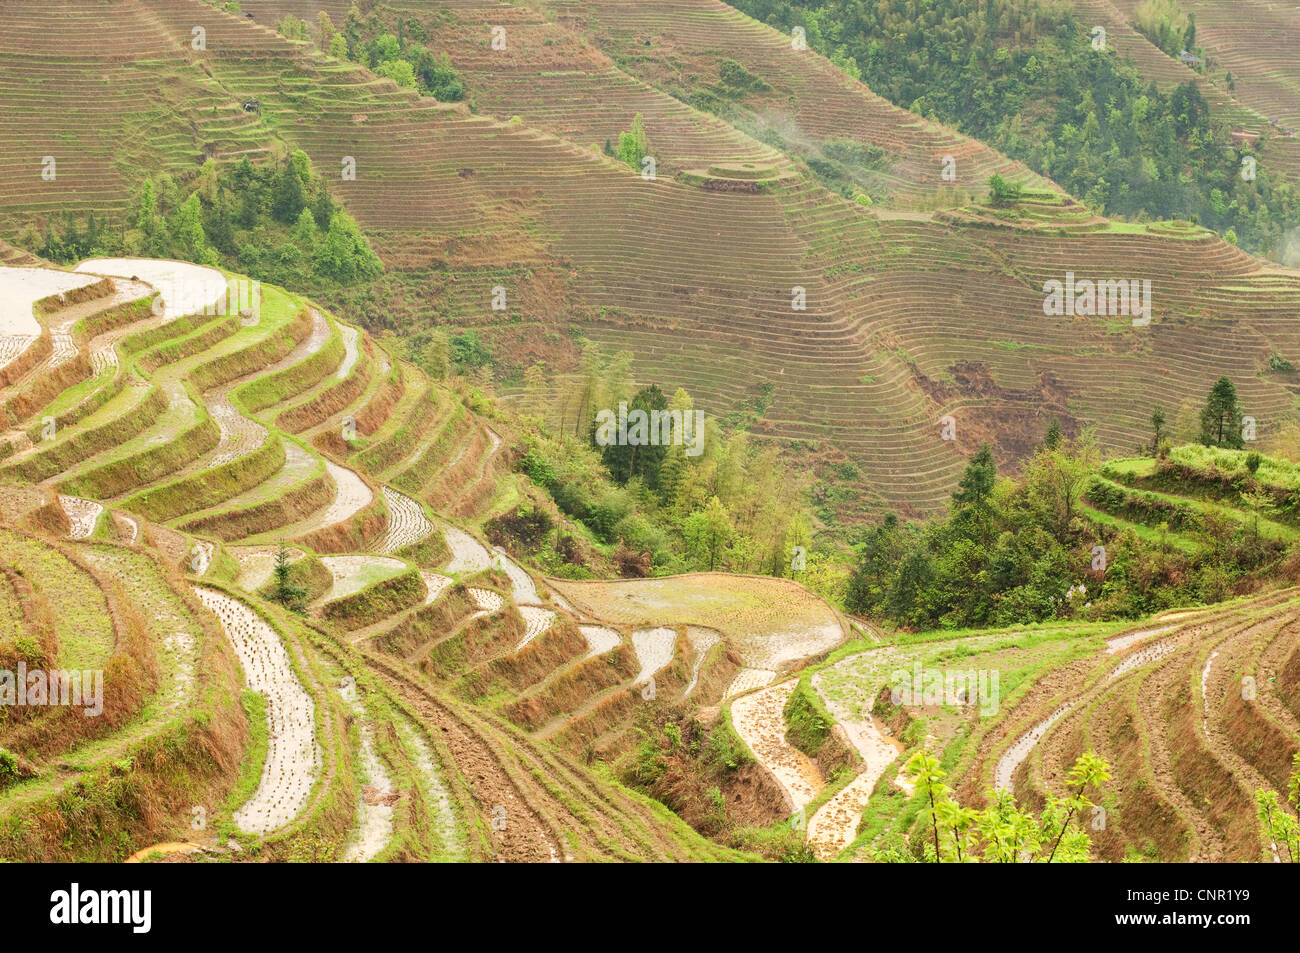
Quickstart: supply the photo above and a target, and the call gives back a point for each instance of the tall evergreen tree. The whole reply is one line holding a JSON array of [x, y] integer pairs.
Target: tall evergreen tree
[[976, 484], [290, 198], [1052, 439], [1221, 417]]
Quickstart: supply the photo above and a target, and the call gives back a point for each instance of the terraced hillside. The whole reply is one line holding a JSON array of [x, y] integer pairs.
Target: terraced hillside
[[1247, 41], [695, 272], [1163, 702], [140, 543], [432, 698]]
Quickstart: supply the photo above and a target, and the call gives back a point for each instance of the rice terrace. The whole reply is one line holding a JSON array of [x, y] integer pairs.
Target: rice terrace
[[552, 431]]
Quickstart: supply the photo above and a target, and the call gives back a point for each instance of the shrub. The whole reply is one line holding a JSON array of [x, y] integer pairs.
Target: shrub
[[739, 78], [467, 351], [810, 723]]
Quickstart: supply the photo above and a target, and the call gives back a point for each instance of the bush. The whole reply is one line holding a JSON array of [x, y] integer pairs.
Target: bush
[[1001, 191], [467, 351], [739, 78], [810, 723], [538, 469]]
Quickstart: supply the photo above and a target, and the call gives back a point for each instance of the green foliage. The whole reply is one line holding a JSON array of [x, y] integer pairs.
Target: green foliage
[[403, 57], [304, 232], [707, 532], [293, 28], [1165, 24], [1002, 192], [1022, 76], [724, 749], [538, 468], [399, 71], [1024, 550], [9, 771], [633, 146], [628, 461], [468, 352], [1280, 827], [809, 723], [1052, 439], [290, 197], [345, 255], [1157, 429], [710, 502], [284, 590], [248, 218], [738, 78], [1221, 417], [1002, 833], [437, 77]]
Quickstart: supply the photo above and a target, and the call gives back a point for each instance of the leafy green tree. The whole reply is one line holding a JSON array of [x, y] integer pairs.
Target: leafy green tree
[[707, 533], [633, 146], [387, 47], [325, 27], [146, 216], [1089, 771], [304, 233], [878, 561], [187, 227], [1279, 828], [436, 76], [292, 28], [914, 594], [1002, 191], [672, 472], [1055, 481], [435, 354], [975, 488], [345, 254], [1221, 416], [1002, 833], [399, 71], [626, 461]]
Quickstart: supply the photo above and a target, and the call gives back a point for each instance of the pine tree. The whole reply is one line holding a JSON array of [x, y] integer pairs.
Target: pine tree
[[976, 484], [1053, 438], [187, 228], [286, 592], [304, 233], [290, 198], [1221, 417], [146, 216]]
